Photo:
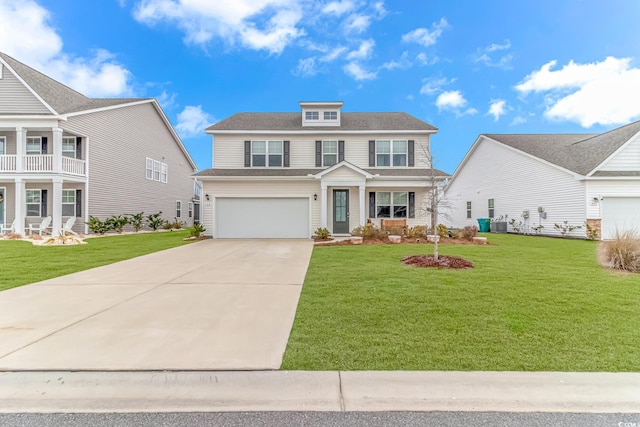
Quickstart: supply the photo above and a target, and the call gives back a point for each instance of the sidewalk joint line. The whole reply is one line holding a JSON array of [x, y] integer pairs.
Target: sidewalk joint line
[[341, 395]]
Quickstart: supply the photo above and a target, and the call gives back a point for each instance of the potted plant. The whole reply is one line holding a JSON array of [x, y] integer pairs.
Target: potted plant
[[499, 224]]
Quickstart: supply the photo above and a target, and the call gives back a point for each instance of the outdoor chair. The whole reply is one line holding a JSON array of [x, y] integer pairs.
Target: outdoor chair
[[42, 228], [10, 229], [68, 226]]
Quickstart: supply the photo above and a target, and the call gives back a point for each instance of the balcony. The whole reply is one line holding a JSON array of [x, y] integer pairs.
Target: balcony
[[42, 163]]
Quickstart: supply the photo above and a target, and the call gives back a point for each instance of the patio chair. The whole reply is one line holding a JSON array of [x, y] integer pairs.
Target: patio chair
[[10, 229], [67, 228], [42, 228]]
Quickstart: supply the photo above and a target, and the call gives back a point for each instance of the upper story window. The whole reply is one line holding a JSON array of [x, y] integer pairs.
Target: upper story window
[[149, 173], [312, 115], [329, 153], [69, 147], [331, 115], [391, 152], [156, 170], [34, 145], [3, 143], [266, 153]]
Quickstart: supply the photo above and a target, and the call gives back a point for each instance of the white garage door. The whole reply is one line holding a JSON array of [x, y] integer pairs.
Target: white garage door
[[620, 213], [278, 218]]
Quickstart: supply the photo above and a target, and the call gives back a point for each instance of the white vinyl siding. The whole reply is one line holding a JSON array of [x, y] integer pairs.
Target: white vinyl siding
[[34, 202], [628, 159], [494, 171], [68, 202], [16, 98]]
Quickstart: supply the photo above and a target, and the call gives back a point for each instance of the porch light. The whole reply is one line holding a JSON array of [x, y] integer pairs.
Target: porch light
[[206, 196], [315, 197]]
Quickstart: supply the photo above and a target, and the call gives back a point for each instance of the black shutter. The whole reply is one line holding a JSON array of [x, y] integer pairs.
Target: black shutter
[[43, 203], [78, 148], [79, 203], [411, 156], [412, 204], [372, 153], [318, 154], [372, 204], [340, 151], [285, 154], [247, 154], [44, 145]]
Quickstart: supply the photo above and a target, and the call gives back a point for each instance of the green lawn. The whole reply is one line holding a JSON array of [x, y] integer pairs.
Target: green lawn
[[22, 263], [529, 304]]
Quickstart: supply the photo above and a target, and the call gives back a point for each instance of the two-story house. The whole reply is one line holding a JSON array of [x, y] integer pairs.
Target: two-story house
[[64, 155], [282, 175]]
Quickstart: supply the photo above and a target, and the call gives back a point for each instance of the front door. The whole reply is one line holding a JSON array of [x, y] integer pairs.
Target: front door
[[340, 211]]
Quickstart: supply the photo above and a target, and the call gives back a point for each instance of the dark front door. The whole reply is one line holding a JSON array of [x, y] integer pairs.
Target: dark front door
[[340, 211]]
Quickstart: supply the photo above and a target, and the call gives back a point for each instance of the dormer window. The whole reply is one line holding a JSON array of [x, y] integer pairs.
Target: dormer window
[[321, 114], [331, 115], [312, 115]]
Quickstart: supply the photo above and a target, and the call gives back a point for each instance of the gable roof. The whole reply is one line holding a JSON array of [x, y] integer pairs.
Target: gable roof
[[61, 98], [287, 172], [579, 153], [349, 122]]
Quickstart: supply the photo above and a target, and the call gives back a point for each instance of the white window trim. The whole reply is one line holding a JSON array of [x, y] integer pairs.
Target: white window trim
[[164, 173], [39, 203], [69, 203], [156, 170], [190, 209], [325, 113], [392, 205], [266, 153], [336, 153], [312, 115], [468, 210], [149, 168], [26, 147], [73, 141], [391, 153], [178, 209], [3, 146]]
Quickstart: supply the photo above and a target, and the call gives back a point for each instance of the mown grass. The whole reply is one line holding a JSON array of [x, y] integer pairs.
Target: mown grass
[[530, 304], [23, 263]]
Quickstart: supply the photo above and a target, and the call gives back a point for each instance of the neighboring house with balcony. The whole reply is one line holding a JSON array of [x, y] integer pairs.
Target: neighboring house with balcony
[[64, 155], [282, 175], [548, 179]]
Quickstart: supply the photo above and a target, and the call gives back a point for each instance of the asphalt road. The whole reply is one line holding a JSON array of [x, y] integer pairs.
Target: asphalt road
[[324, 419]]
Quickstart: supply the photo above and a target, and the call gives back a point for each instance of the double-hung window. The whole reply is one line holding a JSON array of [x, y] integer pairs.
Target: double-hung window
[[163, 172], [311, 115], [329, 153], [34, 145], [149, 169], [34, 202], [392, 204], [178, 209], [156, 170], [331, 115], [391, 152], [266, 153], [68, 202], [491, 208], [190, 208], [69, 147], [468, 210]]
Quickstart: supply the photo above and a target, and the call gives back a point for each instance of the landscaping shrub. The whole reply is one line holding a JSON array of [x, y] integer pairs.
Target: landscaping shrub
[[417, 231], [96, 225], [443, 230], [136, 220], [468, 232], [175, 225], [369, 232], [197, 230], [621, 253], [155, 221], [116, 222], [565, 228], [322, 233]]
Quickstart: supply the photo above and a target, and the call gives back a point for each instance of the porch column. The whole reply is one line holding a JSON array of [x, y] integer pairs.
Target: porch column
[[323, 206], [363, 216], [57, 150], [21, 206], [56, 210], [86, 184], [21, 149]]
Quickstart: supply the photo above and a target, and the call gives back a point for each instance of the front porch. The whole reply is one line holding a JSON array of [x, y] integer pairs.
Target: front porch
[[42, 163]]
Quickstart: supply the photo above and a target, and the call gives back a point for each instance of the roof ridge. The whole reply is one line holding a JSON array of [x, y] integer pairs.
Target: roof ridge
[[607, 132]]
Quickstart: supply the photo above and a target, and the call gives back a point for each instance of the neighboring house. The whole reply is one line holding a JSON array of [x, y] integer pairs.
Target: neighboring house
[[282, 175], [551, 179], [63, 154]]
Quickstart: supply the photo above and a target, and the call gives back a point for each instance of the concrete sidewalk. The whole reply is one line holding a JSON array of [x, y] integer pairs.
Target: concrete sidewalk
[[203, 391], [215, 305]]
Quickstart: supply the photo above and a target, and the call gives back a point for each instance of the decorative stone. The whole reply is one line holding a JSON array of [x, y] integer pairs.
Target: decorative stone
[[395, 239], [432, 238], [356, 240], [480, 240]]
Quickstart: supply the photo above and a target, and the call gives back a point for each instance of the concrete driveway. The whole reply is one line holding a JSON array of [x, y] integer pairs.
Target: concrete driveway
[[211, 305]]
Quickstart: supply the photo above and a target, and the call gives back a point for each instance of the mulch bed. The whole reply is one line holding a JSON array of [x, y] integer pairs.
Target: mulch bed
[[444, 261]]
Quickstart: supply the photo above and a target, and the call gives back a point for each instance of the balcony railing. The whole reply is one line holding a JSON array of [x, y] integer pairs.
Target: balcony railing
[[38, 163]]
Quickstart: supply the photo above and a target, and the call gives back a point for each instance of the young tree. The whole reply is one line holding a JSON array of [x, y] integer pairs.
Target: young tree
[[437, 204]]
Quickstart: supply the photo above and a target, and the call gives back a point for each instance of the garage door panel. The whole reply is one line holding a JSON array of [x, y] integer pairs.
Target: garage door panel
[[268, 217], [620, 214]]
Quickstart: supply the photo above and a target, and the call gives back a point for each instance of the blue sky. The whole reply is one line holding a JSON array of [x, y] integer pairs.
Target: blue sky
[[466, 67]]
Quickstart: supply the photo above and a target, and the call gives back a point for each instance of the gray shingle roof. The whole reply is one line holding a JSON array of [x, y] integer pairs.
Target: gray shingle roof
[[348, 122], [279, 172], [61, 98], [580, 153]]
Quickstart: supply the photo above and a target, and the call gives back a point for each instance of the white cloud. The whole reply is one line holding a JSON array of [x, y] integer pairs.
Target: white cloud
[[333, 54], [306, 67], [363, 52], [357, 23], [424, 36], [432, 86], [485, 55], [167, 100], [605, 92], [356, 71], [192, 121], [338, 8], [26, 34], [402, 63], [269, 25], [497, 108], [423, 59], [453, 100], [518, 120]]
